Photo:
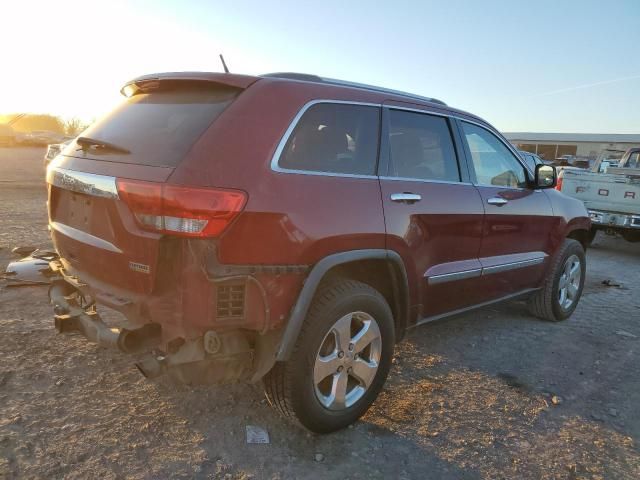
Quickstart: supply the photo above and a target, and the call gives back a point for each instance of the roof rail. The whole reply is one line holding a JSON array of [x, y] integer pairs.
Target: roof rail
[[305, 77]]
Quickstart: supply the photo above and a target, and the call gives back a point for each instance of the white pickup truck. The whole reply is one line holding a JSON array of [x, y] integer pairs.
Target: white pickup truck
[[612, 195]]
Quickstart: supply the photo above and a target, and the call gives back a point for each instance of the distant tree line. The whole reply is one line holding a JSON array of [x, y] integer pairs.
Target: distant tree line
[[51, 123]]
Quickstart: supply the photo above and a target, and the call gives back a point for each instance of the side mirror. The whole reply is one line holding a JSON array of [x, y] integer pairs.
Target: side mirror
[[545, 177]]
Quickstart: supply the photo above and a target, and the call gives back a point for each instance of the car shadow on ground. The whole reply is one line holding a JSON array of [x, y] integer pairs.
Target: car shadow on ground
[[459, 403]]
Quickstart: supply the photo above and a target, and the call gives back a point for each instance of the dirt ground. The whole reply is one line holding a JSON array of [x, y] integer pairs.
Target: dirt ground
[[468, 397]]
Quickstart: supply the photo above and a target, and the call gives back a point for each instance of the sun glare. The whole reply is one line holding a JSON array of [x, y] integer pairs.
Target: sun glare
[[75, 57]]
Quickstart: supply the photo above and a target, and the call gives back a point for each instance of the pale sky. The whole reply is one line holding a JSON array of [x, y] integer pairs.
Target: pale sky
[[544, 66]]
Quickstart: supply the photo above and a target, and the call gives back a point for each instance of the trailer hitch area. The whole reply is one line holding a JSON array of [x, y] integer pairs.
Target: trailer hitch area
[[215, 358], [70, 317]]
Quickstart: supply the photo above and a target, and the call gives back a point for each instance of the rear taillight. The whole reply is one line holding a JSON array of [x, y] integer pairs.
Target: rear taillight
[[559, 184], [178, 210]]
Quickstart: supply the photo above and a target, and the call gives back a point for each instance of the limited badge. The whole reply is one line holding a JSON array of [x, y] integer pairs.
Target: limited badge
[[139, 267]]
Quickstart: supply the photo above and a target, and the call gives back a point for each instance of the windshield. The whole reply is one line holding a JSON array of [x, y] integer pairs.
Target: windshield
[[158, 128]]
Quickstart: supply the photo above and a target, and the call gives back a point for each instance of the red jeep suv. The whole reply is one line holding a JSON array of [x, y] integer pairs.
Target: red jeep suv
[[291, 228]]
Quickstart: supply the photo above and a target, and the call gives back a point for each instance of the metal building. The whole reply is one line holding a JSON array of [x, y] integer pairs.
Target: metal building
[[589, 145]]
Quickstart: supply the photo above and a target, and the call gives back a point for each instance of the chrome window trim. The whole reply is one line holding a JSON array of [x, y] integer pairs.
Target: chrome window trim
[[84, 237], [421, 180], [83, 182], [462, 119], [294, 123], [427, 110]]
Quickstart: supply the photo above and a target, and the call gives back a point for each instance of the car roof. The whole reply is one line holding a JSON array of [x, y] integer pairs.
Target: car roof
[[344, 83], [245, 81]]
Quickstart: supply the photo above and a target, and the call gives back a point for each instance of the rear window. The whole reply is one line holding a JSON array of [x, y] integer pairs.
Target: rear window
[[159, 127], [334, 138]]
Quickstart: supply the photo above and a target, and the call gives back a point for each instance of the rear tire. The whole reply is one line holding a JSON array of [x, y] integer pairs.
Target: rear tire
[[331, 378], [562, 288], [633, 237]]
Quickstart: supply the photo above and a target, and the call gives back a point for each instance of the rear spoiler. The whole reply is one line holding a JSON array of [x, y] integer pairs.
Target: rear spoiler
[[150, 82]]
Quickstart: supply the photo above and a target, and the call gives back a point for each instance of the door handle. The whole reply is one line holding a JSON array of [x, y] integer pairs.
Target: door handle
[[406, 197], [497, 201]]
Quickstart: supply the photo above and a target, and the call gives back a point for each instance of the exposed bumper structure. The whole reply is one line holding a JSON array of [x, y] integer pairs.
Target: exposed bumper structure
[[71, 317], [215, 357]]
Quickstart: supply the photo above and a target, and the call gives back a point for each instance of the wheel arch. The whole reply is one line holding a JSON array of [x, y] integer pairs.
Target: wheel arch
[[380, 268], [581, 235]]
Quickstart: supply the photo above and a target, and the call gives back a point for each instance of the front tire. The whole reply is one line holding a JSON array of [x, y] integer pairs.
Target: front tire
[[562, 288], [340, 361]]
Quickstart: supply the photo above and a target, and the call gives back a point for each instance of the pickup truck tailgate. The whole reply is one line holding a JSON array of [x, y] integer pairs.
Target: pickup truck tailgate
[[600, 191]]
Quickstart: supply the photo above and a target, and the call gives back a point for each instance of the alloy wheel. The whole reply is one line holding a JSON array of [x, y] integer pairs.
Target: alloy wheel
[[569, 284], [347, 361]]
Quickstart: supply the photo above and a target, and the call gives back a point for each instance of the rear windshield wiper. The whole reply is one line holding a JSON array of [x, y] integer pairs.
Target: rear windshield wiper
[[86, 142]]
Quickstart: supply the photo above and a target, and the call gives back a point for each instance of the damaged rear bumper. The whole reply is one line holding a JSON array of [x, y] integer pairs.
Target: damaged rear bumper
[[213, 358], [71, 317]]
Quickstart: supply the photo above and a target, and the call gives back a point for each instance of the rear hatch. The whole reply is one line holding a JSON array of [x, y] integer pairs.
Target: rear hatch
[[110, 205]]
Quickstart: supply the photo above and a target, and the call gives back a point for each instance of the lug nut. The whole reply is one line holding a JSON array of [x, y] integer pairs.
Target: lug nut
[[340, 354], [349, 370], [340, 368], [351, 347]]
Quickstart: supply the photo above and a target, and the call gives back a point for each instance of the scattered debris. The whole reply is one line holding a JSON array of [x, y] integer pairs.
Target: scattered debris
[[31, 270], [623, 333], [613, 412], [319, 457], [556, 400], [597, 417], [256, 434], [24, 250], [611, 283]]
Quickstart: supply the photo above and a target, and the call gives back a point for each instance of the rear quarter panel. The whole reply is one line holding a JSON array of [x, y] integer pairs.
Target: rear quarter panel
[[289, 219]]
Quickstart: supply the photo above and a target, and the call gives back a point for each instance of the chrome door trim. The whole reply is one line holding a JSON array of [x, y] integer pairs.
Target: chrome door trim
[[452, 277], [536, 259], [82, 182], [505, 267], [294, 123], [84, 237]]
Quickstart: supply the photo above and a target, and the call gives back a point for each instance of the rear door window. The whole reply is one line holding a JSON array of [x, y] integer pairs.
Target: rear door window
[[334, 138], [161, 126], [421, 147]]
